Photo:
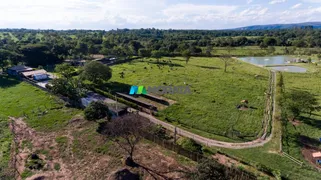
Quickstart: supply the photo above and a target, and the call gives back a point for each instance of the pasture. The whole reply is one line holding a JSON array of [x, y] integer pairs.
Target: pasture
[[211, 108]]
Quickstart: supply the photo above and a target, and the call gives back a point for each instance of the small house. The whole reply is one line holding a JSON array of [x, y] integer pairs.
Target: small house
[[16, 70]]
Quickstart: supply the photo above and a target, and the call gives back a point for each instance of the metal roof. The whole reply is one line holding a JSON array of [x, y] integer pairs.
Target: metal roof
[[31, 73], [20, 68]]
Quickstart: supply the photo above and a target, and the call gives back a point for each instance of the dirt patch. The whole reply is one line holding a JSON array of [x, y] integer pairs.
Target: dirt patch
[[307, 152], [78, 152], [310, 146]]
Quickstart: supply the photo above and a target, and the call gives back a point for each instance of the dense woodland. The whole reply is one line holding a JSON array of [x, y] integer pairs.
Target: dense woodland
[[43, 47]]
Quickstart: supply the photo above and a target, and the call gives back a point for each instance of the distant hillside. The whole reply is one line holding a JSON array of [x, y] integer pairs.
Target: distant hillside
[[315, 25]]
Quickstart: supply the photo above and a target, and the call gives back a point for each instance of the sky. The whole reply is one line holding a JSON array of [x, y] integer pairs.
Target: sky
[[161, 14]]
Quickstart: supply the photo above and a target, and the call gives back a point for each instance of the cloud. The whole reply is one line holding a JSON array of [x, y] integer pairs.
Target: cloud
[[312, 1], [277, 1], [192, 10], [112, 14], [249, 1], [296, 6]]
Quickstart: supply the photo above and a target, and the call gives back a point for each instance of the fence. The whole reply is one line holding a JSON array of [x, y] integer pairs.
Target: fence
[[292, 158], [232, 173]]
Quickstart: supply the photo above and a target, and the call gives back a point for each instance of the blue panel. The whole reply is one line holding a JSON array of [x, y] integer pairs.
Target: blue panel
[[133, 90]]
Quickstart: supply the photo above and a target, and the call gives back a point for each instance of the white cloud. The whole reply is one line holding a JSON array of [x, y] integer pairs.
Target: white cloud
[[192, 10], [312, 1], [111, 14], [249, 1], [296, 6], [277, 1]]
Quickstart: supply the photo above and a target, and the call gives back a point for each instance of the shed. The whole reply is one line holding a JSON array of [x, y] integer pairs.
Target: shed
[[15, 70]]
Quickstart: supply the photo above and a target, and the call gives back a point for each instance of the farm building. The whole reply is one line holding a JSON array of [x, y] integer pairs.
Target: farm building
[[16, 70], [36, 75]]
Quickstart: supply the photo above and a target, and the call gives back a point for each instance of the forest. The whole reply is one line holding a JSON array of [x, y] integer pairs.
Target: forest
[[47, 47]]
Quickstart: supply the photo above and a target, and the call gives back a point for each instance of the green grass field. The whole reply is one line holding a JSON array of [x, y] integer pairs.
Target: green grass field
[[211, 108], [43, 112], [310, 127]]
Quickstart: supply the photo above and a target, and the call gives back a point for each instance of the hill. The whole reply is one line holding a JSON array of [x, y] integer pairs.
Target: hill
[[315, 25]]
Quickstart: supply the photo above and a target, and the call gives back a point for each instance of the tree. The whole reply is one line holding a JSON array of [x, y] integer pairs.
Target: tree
[[96, 72], [157, 54], [71, 88], [38, 54], [226, 59], [263, 45], [309, 60], [65, 69], [209, 50], [81, 48], [6, 56], [297, 102], [144, 53], [187, 55], [270, 50], [97, 110], [126, 131]]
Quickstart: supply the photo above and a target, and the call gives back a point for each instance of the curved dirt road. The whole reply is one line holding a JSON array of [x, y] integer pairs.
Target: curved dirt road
[[210, 142]]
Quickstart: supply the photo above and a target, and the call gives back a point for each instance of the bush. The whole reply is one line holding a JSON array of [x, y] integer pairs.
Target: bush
[[160, 132], [190, 144], [96, 110], [57, 166]]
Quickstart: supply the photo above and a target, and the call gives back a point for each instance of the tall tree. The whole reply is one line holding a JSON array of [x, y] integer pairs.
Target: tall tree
[[96, 72], [297, 102], [157, 54], [65, 69], [226, 59], [187, 55]]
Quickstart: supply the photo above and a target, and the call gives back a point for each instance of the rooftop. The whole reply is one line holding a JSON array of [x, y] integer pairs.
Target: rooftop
[[31, 73], [20, 67]]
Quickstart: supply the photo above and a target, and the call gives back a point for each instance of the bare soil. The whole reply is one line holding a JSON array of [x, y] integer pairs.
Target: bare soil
[[78, 158], [308, 149]]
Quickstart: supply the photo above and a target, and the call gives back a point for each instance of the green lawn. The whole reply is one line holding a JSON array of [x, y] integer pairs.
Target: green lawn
[[42, 110], [211, 108]]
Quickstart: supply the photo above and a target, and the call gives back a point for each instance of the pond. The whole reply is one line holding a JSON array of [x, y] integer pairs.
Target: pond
[[290, 69], [274, 60]]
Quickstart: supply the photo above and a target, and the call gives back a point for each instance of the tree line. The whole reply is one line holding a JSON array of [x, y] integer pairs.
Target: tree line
[[43, 47]]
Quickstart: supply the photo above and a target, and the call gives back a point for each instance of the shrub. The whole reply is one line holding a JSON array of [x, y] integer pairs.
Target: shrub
[[57, 166], [190, 144], [96, 110]]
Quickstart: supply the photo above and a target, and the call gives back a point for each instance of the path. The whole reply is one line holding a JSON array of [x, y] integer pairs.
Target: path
[[211, 142]]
